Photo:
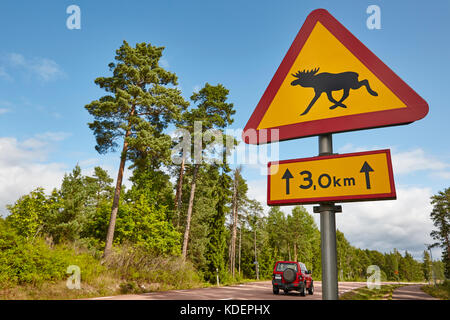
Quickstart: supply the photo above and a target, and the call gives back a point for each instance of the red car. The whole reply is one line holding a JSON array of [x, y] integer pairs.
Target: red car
[[291, 275]]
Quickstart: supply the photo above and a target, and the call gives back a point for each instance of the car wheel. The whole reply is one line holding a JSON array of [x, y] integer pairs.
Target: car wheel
[[276, 290], [311, 288], [302, 290], [286, 291]]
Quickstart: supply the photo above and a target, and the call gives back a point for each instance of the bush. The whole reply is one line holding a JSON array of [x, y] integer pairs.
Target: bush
[[136, 263], [441, 290], [33, 262]]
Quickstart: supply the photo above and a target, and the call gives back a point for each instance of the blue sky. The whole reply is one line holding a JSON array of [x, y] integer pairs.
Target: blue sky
[[47, 76]]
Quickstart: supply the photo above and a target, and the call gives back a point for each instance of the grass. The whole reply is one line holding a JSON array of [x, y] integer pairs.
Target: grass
[[127, 270], [364, 293], [57, 290], [440, 291]]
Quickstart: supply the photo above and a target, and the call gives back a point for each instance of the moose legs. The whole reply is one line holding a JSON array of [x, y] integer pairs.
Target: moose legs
[[318, 93], [330, 97], [338, 103]]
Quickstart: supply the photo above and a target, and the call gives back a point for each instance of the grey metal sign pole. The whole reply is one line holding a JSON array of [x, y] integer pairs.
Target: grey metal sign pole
[[328, 234]]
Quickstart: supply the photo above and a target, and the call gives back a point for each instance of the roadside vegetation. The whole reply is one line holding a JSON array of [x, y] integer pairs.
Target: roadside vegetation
[[181, 224], [364, 293], [440, 290]]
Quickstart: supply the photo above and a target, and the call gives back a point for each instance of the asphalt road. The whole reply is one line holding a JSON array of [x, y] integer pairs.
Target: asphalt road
[[258, 291], [411, 292]]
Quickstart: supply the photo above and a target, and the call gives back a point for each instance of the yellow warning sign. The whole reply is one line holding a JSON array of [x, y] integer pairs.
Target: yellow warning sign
[[337, 178], [327, 81]]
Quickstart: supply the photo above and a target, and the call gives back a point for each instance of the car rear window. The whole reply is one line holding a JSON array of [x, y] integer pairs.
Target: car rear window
[[283, 266]]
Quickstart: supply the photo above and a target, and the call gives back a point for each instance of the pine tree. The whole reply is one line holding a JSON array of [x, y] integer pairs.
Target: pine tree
[[140, 104], [426, 266], [254, 220], [73, 218], [441, 220], [239, 198], [214, 113], [216, 247]]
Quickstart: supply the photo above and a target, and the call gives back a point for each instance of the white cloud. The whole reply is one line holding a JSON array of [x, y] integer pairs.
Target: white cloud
[[43, 68], [163, 62], [252, 156], [349, 147], [23, 167], [403, 224], [46, 69], [5, 75], [407, 161], [4, 110], [17, 59], [441, 175], [197, 88], [88, 163], [53, 136], [257, 189], [415, 160]]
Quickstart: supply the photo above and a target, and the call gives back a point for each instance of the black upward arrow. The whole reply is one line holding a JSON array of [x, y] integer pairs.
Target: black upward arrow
[[366, 169], [287, 175]]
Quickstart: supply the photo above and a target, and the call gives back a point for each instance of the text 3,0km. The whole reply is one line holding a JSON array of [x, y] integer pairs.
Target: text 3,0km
[[324, 181]]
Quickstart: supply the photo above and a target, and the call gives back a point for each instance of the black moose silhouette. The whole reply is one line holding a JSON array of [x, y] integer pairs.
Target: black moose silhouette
[[328, 82]]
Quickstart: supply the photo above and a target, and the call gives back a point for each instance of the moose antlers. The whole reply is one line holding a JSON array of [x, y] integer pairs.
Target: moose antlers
[[304, 73]]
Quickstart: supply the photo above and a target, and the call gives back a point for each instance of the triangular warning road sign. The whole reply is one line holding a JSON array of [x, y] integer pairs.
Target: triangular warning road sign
[[330, 82]]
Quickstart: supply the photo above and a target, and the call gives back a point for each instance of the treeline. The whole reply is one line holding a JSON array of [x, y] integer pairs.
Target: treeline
[[194, 209], [79, 211]]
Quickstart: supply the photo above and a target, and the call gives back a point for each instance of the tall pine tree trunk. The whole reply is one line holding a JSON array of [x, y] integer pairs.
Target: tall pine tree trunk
[[289, 250], [189, 213], [295, 252], [234, 228], [179, 190], [256, 256], [115, 206], [240, 248]]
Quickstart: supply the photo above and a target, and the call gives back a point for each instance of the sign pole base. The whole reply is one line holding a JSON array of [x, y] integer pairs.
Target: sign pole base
[[328, 234]]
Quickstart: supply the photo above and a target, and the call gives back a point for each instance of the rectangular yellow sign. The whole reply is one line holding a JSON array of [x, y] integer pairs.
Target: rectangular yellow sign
[[348, 177]]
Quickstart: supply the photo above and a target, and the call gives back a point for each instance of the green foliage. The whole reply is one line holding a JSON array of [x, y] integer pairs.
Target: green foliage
[[440, 291], [426, 266], [69, 222], [154, 185], [216, 246], [214, 114], [67, 214], [144, 224], [33, 262], [204, 210], [141, 100], [27, 214], [212, 108], [441, 220], [301, 229], [140, 222]]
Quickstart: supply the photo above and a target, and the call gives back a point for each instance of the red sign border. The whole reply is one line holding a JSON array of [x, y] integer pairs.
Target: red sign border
[[381, 196], [417, 107]]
